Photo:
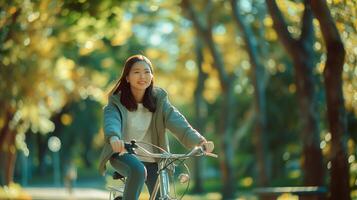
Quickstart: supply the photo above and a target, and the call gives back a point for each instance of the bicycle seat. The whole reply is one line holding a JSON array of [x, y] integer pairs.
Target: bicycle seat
[[117, 175]]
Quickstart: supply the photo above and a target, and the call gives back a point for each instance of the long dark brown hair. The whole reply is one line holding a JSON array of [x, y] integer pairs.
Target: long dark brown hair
[[123, 87]]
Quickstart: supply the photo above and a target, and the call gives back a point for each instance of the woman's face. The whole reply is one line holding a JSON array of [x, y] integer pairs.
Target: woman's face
[[140, 76]]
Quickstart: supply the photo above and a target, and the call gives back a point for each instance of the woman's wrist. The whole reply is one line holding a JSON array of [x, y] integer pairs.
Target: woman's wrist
[[113, 138], [203, 140]]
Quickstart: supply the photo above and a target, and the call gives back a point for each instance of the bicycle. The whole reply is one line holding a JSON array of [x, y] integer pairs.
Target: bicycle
[[166, 160]]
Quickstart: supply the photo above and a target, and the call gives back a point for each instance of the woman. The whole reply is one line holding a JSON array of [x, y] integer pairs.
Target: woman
[[138, 110]]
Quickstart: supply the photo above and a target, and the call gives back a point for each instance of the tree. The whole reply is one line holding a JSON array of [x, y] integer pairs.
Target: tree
[[258, 79], [228, 102], [38, 79], [200, 112], [301, 52], [339, 184]]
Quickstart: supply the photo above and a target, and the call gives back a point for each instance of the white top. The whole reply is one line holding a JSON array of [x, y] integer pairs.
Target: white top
[[137, 124], [137, 129]]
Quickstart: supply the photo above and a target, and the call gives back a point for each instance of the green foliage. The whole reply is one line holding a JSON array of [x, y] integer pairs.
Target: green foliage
[[60, 59]]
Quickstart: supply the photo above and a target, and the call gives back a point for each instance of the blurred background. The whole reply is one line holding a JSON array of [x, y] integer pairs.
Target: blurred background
[[272, 83]]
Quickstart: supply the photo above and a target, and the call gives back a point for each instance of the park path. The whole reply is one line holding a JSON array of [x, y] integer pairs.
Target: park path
[[61, 193]]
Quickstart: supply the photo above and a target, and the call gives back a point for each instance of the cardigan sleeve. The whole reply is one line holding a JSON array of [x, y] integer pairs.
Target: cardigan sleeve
[[112, 121], [179, 126]]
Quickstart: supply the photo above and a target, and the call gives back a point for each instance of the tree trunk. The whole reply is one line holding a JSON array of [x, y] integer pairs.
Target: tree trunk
[[227, 155], [7, 150], [259, 138], [41, 141], [11, 159], [301, 52], [228, 103], [340, 177], [201, 114], [8, 158]]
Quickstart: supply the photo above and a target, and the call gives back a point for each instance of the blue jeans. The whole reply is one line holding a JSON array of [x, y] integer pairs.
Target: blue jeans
[[136, 173]]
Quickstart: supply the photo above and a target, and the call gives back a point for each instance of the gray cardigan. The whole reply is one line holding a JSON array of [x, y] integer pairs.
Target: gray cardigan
[[165, 117]]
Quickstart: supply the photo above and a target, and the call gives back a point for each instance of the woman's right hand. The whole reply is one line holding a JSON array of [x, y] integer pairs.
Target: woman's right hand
[[117, 145], [208, 146]]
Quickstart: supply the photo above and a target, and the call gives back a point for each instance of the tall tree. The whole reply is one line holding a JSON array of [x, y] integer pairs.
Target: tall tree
[[301, 52], [340, 177], [258, 80], [200, 112], [36, 78], [228, 102]]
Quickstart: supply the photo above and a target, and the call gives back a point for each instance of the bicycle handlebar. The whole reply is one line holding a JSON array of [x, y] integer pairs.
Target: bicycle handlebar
[[196, 151]]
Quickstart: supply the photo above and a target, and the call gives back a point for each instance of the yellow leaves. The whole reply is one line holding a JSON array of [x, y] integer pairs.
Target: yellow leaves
[[37, 115], [294, 174], [336, 1], [97, 93], [207, 67], [123, 33], [271, 35], [12, 10], [2, 122], [64, 67], [158, 56], [317, 46], [281, 68], [87, 48], [20, 142], [153, 53], [320, 67], [90, 45], [350, 95], [341, 28], [247, 182], [325, 144], [107, 62], [292, 88], [212, 84], [268, 21], [99, 79], [13, 191], [98, 139], [351, 148], [288, 196], [190, 65], [292, 9], [64, 72], [45, 46], [120, 39], [212, 88], [66, 119], [33, 16], [55, 99], [173, 88]]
